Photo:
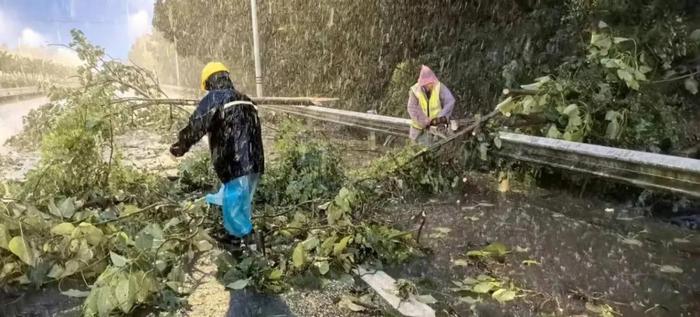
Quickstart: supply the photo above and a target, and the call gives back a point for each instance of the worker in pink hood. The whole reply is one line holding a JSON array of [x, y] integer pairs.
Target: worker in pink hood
[[430, 103]]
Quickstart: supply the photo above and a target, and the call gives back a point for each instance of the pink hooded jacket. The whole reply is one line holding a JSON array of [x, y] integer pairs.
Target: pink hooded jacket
[[447, 100]]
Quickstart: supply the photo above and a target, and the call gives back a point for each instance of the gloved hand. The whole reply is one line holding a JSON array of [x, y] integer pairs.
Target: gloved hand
[[177, 150], [439, 121]]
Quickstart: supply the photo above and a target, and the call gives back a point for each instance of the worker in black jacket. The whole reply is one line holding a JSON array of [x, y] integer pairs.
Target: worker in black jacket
[[230, 119]]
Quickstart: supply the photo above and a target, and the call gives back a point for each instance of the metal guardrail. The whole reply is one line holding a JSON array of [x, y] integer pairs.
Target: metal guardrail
[[649, 170], [12, 94], [367, 121]]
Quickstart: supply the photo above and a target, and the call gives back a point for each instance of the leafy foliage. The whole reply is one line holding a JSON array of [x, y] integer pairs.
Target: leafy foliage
[[197, 172], [496, 251], [95, 103], [80, 212], [311, 240], [474, 290], [306, 169], [605, 99]]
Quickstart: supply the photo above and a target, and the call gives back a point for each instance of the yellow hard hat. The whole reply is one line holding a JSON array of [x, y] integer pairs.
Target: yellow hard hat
[[209, 69]]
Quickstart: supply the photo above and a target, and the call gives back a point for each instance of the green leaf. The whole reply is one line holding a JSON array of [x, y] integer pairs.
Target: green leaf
[[484, 277], [275, 275], [84, 253], [76, 293], [478, 253], [72, 266], [695, 35], [503, 295], [645, 69], [618, 40], [426, 299], [670, 269], [691, 85], [118, 260], [129, 209], [628, 78], [624, 75], [348, 302], [633, 84], [639, 76], [507, 106], [56, 271], [631, 241], [601, 41], [442, 230], [146, 285], [612, 115], [63, 229], [204, 245], [611, 62], [299, 256], [177, 273], [92, 234], [239, 284], [53, 209], [171, 223], [67, 207], [594, 308], [4, 236], [460, 262], [105, 301], [612, 131], [497, 248], [323, 267], [327, 246], [530, 105], [530, 262], [483, 151], [335, 213], [341, 245], [553, 132], [497, 142], [19, 247], [571, 110], [574, 122], [311, 243], [149, 238], [484, 287], [344, 200]]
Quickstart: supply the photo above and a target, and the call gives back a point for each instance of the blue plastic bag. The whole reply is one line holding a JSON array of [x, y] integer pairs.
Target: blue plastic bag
[[236, 199]]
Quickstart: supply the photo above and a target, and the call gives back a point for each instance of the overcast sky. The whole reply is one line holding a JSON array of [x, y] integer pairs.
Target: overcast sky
[[112, 24]]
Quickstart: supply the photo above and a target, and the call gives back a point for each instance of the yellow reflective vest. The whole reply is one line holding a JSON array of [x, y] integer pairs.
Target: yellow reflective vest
[[431, 107]]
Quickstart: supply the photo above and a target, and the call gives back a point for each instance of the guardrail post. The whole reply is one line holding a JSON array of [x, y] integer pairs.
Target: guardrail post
[[372, 138]]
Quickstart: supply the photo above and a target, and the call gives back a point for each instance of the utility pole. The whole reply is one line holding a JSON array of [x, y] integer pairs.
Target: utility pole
[[256, 49], [177, 62]]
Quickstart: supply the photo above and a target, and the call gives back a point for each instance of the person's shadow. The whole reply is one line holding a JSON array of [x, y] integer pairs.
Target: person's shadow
[[249, 303]]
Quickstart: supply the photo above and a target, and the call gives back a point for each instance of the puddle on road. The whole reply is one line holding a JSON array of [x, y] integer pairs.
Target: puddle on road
[[584, 249]]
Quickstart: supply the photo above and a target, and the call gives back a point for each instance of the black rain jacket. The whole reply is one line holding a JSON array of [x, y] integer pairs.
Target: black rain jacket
[[230, 119]]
